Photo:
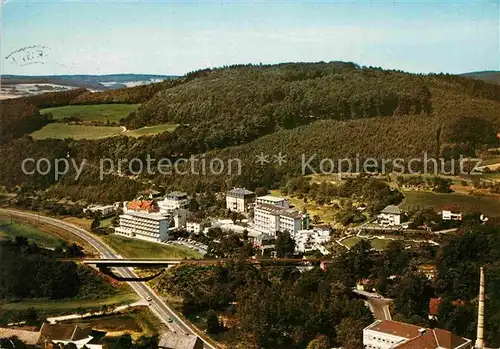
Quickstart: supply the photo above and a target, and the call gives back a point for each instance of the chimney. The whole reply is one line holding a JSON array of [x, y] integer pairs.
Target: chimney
[[422, 331], [480, 314]]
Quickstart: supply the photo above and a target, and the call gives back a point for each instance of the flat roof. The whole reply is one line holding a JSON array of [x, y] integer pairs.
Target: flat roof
[[395, 328], [279, 211], [271, 198]]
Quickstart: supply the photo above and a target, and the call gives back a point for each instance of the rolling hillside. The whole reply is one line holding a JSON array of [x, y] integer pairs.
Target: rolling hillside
[[490, 76], [334, 110]]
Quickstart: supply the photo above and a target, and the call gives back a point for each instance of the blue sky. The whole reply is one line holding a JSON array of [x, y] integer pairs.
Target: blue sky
[[173, 37]]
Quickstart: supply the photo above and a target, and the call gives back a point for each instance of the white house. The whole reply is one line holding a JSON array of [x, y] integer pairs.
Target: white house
[[270, 219], [273, 200], [104, 210], [173, 201], [387, 334], [390, 216], [239, 199], [451, 213], [141, 220]]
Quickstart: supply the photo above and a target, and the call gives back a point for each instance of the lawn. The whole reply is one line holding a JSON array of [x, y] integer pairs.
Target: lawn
[[10, 229], [489, 205], [378, 244], [151, 130], [134, 248], [351, 241], [95, 112], [325, 212], [67, 306], [62, 131]]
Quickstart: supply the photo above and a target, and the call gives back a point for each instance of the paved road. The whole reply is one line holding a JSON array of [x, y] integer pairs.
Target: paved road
[[157, 305], [378, 305]]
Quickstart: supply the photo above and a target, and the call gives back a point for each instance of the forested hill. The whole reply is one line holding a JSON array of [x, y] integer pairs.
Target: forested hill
[[332, 109]]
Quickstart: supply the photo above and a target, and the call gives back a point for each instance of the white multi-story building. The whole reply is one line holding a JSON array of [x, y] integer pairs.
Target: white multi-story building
[[387, 334], [307, 240], [273, 200], [194, 226], [239, 199], [390, 216], [173, 201], [270, 219], [141, 220]]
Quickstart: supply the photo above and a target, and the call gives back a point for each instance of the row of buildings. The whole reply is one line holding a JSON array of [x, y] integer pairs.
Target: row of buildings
[[272, 214]]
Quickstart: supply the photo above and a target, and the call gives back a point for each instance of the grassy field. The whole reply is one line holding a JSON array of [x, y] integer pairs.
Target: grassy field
[[10, 229], [95, 112], [378, 244], [59, 130], [489, 205], [63, 131], [151, 130], [134, 248], [325, 212], [66, 306]]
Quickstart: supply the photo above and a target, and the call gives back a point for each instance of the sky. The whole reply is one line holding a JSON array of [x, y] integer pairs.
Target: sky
[[175, 37]]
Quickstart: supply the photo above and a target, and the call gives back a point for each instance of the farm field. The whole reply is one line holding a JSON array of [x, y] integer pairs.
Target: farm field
[[9, 230], [62, 131], [134, 248], [489, 205], [95, 112], [151, 130]]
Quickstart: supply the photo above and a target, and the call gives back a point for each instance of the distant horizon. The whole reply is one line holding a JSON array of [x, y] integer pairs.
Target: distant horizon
[[173, 38], [173, 75]]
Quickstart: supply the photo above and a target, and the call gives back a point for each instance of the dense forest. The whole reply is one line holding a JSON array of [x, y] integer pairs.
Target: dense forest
[[29, 271], [334, 110]]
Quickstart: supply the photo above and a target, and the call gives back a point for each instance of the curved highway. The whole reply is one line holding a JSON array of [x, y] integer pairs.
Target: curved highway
[[157, 305]]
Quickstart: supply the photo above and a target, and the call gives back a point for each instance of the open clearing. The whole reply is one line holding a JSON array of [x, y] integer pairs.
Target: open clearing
[[489, 205], [378, 244], [151, 130], [134, 248], [62, 131], [94, 112], [325, 212], [10, 230], [59, 130]]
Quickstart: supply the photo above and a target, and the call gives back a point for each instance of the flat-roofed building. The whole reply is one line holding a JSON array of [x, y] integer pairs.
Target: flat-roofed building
[[173, 201], [270, 219], [273, 200], [142, 220], [239, 199], [387, 334]]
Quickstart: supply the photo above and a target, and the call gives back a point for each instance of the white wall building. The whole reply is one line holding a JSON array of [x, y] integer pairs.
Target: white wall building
[[239, 199], [142, 220], [390, 216], [273, 200], [387, 334], [194, 227], [311, 240], [270, 219], [173, 201], [104, 210]]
